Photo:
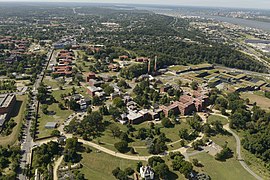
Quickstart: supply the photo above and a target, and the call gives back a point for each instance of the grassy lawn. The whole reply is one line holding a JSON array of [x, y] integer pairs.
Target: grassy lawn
[[221, 140], [100, 165], [17, 115], [173, 174], [256, 164], [51, 82], [229, 170], [59, 115], [213, 118], [260, 99], [171, 133]]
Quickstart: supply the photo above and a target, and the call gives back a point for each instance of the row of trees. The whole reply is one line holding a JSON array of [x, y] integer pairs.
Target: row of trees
[[9, 157]]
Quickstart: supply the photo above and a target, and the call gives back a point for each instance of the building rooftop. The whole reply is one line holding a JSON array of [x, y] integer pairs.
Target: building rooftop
[[5, 100], [51, 125], [3, 118]]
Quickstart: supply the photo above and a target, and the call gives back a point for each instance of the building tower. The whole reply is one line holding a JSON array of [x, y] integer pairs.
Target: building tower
[[155, 67], [149, 65]]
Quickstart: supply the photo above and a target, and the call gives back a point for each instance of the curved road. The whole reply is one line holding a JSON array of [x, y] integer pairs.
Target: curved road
[[238, 151], [145, 158]]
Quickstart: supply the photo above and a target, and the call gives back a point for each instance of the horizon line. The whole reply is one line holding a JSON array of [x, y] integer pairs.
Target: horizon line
[[134, 4]]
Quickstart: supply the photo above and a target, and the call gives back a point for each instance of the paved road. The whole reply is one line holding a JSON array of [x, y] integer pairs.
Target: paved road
[[238, 148], [145, 158], [238, 151], [27, 140]]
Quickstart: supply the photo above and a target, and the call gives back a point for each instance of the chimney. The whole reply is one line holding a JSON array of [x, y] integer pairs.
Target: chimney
[[155, 67], [149, 65]]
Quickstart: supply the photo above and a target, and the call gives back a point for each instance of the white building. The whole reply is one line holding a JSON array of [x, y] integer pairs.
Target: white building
[[147, 173]]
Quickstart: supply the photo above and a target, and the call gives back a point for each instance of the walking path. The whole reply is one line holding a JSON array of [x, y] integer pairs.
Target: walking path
[[56, 167], [182, 150], [238, 152]]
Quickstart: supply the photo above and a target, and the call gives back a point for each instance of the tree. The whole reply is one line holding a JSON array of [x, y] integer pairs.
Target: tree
[[118, 102], [61, 106], [179, 164], [132, 150], [89, 110], [122, 146], [196, 144], [114, 112], [104, 110], [129, 171], [138, 166], [73, 105], [44, 109], [221, 102], [166, 122], [108, 90], [96, 101], [70, 151], [224, 154], [122, 83], [55, 133], [194, 85], [115, 130], [195, 162], [183, 134], [154, 160], [119, 174], [162, 170]]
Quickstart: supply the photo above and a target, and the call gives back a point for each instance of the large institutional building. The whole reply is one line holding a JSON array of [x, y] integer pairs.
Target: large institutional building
[[7, 102]]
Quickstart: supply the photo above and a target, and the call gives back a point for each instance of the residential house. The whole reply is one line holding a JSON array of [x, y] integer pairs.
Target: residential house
[[95, 91], [147, 173]]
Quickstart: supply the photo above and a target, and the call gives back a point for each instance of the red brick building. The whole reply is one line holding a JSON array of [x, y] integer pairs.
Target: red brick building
[[90, 75]]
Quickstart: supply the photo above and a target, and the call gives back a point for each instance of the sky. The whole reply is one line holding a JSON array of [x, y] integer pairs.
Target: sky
[[262, 4]]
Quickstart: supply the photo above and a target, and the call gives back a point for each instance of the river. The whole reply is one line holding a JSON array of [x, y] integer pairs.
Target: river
[[242, 22]]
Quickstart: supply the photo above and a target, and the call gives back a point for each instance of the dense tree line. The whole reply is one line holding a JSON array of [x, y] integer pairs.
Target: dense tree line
[[91, 126], [254, 122], [9, 158], [44, 156]]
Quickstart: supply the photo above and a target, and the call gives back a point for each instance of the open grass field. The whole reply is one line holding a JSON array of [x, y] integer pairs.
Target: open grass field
[[229, 170], [51, 82], [213, 118], [255, 164], [171, 133], [59, 117], [17, 115], [100, 165], [221, 140], [261, 100]]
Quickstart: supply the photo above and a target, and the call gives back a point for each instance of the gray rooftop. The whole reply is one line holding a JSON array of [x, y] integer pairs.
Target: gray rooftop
[[6, 99]]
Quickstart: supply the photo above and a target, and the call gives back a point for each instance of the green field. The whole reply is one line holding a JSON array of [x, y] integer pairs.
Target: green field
[[229, 170], [213, 118], [17, 115], [255, 164], [139, 145], [100, 165], [59, 117]]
